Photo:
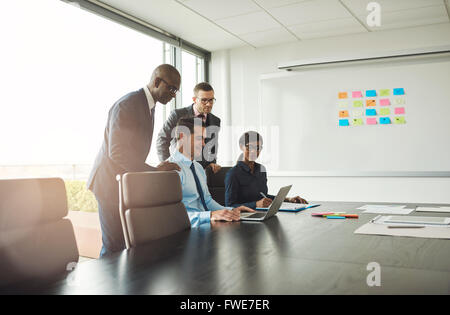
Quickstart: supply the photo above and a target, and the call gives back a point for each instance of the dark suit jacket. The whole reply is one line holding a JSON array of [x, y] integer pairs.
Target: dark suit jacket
[[126, 144], [165, 135]]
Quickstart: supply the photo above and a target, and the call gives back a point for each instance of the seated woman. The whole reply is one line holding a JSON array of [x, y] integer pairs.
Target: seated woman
[[246, 182]]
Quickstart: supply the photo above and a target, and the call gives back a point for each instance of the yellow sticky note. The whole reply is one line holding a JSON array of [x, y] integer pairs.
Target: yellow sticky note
[[343, 113], [384, 111], [357, 121], [399, 120], [385, 92], [342, 95], [371, 103], [358, 103]]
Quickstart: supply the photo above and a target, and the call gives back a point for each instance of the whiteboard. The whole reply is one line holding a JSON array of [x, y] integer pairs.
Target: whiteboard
[[303, 107]]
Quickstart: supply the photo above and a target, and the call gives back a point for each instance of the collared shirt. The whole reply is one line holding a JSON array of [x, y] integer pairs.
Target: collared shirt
[[191, 197], [150, 100], [243, 188], [197, 113]]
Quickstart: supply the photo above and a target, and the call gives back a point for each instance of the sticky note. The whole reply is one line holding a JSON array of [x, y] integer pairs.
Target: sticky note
[[399, 120], [343, 122], [358, 103], [357, 94], [371, 93], [371, 112], [399, 91], [385, 112], [357, 122], [399, 101], [385, 120], [343, 113], [399, 110], [385, 92], [385, 102], [343, 104], [334, 217], [342, 95], [358, 112], [371, 103], [371, 121]]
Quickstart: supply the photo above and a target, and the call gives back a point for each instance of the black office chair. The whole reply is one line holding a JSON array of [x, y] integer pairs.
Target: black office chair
[[216, 183]]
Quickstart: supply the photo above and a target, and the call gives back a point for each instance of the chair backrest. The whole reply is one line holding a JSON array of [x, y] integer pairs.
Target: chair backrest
[[216, 183], [151, 207], [36, 242]]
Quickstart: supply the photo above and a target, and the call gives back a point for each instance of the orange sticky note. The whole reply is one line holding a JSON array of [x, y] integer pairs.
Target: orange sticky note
[[343, 113], [371, 103], [342, 94]]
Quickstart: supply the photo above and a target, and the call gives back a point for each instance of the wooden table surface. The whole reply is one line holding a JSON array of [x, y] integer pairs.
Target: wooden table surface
[[292, 253]]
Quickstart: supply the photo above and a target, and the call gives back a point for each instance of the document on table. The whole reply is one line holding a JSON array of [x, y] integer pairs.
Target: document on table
[[379, 226], [386, 209], [430, 209]]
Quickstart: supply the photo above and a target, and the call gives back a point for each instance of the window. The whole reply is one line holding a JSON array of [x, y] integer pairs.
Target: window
[[192, 73]]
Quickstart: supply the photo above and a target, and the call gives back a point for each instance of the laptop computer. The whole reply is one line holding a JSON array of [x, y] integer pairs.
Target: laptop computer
[[274, 207]]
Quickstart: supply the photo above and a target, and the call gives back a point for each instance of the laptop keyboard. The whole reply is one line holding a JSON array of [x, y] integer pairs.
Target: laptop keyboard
[[257, 215]]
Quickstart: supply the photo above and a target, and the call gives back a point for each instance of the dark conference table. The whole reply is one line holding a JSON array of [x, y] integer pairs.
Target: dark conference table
[[292, 253]]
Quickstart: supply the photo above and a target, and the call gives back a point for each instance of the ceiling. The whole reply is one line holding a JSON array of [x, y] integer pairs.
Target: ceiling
[[222, 24]]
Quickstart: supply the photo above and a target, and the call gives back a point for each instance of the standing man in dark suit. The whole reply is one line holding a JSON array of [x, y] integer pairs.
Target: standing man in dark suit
[[126, 144], [203, 103]]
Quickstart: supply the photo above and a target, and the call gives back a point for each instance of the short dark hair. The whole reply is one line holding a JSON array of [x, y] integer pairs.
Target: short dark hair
[[190, 123], [250, 136], [203, 86]]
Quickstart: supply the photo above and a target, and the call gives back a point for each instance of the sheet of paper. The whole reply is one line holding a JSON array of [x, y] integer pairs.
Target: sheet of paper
[[357, 94], [385, 92], [371, 93], [358, 112], [342, 95], [343, 103], [385, 102], [399, 110], [389, 210], [371, 121], [436, 209], [426, 232], [343, 122], [400, 101], [357, 122], [358, 103], [371, 103], [385, 111]]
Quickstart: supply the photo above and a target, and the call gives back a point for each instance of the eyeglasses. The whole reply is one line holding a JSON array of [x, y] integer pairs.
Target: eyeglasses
[[172, 88], [205, 101], [254, 147]]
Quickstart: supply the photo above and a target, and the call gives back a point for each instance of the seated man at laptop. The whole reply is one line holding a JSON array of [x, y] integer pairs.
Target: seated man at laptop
[[199, 204], [246, 182]]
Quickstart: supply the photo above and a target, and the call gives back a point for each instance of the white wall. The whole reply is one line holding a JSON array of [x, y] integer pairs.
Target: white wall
[[235, 75]]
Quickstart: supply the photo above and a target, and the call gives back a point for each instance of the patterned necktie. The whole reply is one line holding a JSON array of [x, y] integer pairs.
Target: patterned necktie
[[199, 187]]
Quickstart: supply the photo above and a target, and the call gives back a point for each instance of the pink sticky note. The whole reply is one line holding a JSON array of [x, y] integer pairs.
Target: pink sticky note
[[371, 121], [357, 94], [399, 110], [385, 102]]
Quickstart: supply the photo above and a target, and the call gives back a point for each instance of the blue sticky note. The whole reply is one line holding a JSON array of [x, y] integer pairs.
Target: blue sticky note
[[343, 122], [371, 93], [334, 217], [371, 112], [399, 91], [385, 120]]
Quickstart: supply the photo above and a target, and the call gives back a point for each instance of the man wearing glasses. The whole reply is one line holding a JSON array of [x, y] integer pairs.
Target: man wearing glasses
[[203, 103], [126, 144]]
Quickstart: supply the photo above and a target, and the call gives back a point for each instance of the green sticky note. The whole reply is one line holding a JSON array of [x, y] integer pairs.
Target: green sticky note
[[358, 103], [399, 120], [385, 92], [357, 122], [399, 101], [384, 111]]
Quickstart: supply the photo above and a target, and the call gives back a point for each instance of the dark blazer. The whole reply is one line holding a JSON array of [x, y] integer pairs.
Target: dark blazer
[[165, 135], [126, 144]]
